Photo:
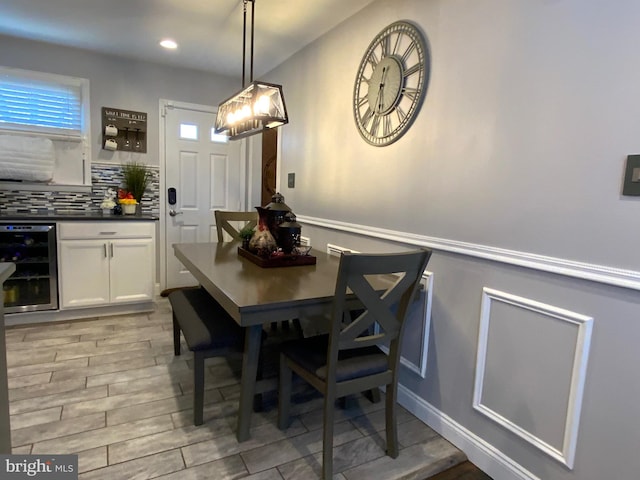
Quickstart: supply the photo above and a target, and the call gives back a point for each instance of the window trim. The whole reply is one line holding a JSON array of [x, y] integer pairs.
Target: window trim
[[84, 137], [85, 113]]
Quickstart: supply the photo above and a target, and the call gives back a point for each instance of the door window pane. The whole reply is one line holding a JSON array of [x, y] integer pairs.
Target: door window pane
[[188, 131]]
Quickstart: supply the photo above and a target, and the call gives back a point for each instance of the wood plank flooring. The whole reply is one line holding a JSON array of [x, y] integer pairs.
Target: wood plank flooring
[[111, 391], [462, 471]]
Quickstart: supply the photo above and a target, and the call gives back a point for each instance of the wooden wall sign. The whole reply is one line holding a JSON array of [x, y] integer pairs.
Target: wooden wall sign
[[124, 130]]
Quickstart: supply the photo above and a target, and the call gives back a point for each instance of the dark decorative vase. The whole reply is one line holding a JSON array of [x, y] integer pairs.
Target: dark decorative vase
[[262, 243], [289, 233]]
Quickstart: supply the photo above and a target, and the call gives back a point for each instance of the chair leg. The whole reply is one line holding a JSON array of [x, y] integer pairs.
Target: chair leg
[[373, 395], [198, 388], [391, 419], [327, 436], [176, 336], [284, 393], [297, 327]]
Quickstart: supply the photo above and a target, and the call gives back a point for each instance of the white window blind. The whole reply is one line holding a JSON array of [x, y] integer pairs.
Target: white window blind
[[42, 103]]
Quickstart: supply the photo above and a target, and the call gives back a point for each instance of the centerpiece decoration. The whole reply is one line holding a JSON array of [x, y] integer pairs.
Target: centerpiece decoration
[[245, 235], [262, 242], [276, 239]]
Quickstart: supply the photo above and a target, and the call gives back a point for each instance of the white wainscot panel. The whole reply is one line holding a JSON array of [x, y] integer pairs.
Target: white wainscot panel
[[530, 372], [188, 193], [415, 341], [219, 181]]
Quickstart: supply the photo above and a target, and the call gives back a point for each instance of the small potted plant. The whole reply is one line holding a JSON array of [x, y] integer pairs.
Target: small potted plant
[[108, 202], [136, 178], [128, 203], [245, 234]]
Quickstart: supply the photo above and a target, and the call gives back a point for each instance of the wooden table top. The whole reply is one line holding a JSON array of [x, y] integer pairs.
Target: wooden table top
[[254, 295]]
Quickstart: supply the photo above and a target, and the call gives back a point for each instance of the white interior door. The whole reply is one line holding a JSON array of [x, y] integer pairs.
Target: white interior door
[[206, 174]]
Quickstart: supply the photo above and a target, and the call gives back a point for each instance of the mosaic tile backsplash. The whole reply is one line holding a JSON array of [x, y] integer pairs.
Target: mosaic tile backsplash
[[103, 176]]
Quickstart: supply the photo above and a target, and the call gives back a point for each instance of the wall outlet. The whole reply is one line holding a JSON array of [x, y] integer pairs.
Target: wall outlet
[[291, 180]]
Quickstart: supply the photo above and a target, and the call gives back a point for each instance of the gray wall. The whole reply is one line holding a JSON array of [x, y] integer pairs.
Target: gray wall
[[512, 169], [119, 83]]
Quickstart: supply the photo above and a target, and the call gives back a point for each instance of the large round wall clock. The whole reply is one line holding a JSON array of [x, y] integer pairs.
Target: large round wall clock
[[391, 83]]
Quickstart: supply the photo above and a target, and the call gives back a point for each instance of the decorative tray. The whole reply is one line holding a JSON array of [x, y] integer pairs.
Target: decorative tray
[[277, 261]]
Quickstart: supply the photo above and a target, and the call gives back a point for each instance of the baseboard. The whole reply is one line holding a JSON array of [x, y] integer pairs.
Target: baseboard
[[28, 318], [485, 456]]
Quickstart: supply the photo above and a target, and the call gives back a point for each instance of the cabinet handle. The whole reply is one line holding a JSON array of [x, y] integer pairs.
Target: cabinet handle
[[111, 248], [108, 233], [105, 249]]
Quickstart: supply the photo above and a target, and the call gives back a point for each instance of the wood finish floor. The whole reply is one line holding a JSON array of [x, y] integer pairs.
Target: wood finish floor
[[111, 391], [463, 471]]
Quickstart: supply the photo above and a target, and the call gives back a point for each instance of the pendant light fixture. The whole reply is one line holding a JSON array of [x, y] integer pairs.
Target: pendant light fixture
[[258, 106]]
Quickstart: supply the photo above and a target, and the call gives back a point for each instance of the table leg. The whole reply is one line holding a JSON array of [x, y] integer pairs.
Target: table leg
[[253, 337]]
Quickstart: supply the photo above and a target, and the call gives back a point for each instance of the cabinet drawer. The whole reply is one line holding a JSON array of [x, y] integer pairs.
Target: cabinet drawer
[[110, 229]]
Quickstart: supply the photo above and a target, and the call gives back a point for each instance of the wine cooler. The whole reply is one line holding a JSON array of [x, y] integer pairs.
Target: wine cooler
[[33, 286]]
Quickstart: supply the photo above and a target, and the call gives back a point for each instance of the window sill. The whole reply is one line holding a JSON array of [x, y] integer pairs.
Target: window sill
[[37, 187]]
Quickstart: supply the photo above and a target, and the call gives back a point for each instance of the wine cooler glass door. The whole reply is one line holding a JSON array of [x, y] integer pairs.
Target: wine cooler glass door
[[32, 248]]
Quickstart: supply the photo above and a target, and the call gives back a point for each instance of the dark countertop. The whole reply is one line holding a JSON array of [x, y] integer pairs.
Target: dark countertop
[[92, 215]]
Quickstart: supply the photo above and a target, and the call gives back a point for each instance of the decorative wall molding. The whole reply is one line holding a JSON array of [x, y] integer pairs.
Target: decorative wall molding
[[586, 271], [488, 458], [584, 326]]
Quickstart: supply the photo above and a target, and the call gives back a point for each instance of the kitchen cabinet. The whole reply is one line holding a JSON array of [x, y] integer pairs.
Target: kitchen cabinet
[[105, 263]]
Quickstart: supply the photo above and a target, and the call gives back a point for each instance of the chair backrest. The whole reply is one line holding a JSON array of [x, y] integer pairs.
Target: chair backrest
[[223, 224], [385, 305]]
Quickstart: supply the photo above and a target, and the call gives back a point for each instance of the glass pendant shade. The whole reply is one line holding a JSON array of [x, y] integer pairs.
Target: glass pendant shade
[[257, 107]]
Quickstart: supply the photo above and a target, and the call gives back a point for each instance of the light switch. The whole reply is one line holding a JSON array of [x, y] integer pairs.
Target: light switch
[[632, 176], [291, 180]]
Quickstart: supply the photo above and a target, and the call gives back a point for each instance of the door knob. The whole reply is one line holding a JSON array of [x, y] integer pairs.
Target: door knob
[[173, 213]]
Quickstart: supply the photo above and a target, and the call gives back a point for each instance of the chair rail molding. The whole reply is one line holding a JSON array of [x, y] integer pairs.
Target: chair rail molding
[[587, 271]]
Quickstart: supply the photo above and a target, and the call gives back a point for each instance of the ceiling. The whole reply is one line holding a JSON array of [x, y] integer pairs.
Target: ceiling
[[209, 32]]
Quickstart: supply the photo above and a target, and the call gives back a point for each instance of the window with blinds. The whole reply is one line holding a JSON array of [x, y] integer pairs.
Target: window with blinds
[[51, 105]]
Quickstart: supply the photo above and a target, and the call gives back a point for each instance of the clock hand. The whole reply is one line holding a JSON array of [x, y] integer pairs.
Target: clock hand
[[380, 96]]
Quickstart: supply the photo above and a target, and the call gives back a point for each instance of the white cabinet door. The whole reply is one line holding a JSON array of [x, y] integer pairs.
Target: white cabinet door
[[131, 272], [84, 273]]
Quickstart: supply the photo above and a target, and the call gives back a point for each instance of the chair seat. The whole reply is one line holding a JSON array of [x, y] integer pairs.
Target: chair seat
[[311, 354], [204, 323]]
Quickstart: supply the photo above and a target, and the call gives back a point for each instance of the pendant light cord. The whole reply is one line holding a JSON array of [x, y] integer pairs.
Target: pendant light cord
[[253, 7], [244, 41]]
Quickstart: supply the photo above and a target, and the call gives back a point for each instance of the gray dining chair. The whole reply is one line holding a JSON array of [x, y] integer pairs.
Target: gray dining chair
[[348, 360], [224, 219]]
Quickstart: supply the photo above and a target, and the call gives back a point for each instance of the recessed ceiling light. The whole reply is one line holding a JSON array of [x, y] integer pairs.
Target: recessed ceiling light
[[169, 44]]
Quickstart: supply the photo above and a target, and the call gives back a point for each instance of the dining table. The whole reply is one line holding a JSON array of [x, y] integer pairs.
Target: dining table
[[255, 296]]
